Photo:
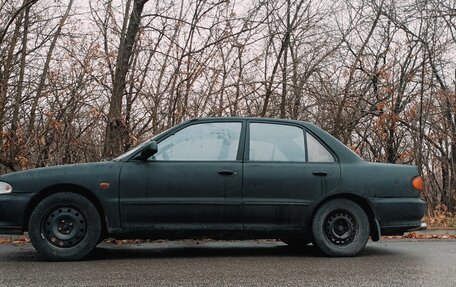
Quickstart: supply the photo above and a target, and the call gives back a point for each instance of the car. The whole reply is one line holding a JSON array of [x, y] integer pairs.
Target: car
[[222, 178]]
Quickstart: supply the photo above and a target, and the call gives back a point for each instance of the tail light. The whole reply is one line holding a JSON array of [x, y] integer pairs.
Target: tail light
[[417, 183]]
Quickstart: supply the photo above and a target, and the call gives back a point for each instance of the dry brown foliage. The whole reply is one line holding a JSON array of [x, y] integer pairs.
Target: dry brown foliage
[[19, 241], [414, 235], [441, 217]]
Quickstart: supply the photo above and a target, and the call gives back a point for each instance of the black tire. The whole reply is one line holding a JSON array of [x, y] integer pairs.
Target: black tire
[[340, 228], [64, 227]]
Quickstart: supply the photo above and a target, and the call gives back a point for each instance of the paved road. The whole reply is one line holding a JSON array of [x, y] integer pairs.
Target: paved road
[[235, 263]]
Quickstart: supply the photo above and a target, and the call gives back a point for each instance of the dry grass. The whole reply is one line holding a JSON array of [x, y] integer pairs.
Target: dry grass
[[414, 235], [441, 217]]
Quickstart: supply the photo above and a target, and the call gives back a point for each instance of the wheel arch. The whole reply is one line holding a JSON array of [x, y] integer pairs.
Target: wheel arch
[[374, 225], [64, 188]]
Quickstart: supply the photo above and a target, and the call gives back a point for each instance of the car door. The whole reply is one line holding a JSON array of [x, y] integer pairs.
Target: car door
[[194, 181], [285, 170]]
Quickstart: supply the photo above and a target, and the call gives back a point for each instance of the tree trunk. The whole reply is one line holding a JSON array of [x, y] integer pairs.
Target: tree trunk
[[43, 77], [116, 129], [339, 120], [6, 69], [285, 64], [20, 86]]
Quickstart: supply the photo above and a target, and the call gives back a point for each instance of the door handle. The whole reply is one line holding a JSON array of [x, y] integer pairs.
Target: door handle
[[227, 172], [320, 173]]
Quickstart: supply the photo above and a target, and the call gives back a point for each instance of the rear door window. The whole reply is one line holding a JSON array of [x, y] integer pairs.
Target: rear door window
[[276, 142]]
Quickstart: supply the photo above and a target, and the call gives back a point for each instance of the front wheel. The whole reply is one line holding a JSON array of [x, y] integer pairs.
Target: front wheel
[[64, 227], [340, 228]]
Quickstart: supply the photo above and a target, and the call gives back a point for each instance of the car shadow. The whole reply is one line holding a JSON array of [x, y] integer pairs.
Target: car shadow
[[212, 249], [104, 252], [178, 249]]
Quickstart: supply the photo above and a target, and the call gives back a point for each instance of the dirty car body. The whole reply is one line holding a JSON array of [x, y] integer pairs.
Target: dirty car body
[[233, 178]]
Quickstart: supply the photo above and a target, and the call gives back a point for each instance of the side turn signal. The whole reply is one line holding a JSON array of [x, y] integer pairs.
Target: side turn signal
[[104, 185]]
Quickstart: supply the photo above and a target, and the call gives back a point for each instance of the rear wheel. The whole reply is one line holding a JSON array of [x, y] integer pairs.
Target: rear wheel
[[64, 226], [340, 228]]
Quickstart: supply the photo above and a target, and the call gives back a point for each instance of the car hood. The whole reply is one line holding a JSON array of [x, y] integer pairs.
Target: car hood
[[87, 175]]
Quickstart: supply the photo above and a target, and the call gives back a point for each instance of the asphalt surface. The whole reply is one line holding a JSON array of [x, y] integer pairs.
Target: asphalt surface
[[236, 263]]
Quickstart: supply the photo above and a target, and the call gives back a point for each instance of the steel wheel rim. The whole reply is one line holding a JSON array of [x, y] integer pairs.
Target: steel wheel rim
[[340, 227], [64, 227]]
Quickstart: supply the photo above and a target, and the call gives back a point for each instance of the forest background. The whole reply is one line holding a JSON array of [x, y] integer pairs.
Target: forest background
[[85, 80]]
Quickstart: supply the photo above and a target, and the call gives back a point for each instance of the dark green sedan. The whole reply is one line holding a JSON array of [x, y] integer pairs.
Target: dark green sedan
[[223, 178]]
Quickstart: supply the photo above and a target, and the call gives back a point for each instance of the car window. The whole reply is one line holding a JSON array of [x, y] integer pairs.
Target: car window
[[316, 151], [202, 142], [275, 142]]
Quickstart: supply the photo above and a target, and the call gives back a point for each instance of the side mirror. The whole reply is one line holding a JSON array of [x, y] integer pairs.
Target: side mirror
[[149, 150]]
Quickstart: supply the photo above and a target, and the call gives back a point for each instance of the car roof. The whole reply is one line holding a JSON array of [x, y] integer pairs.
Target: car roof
[[250, 118], [310, 125]]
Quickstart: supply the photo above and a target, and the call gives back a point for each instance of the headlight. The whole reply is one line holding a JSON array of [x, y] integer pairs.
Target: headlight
[[5, 188]]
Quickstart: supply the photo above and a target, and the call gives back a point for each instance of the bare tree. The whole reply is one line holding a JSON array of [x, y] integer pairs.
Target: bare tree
[[116, 127], [378, 74]]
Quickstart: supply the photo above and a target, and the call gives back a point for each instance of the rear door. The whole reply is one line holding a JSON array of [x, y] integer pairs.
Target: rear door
[[285, 170]]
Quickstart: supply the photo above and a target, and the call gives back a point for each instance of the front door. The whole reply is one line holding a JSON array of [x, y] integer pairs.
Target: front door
[[193, 182]]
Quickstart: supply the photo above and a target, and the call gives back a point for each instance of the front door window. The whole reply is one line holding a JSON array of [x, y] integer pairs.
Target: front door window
[[202, 142]]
